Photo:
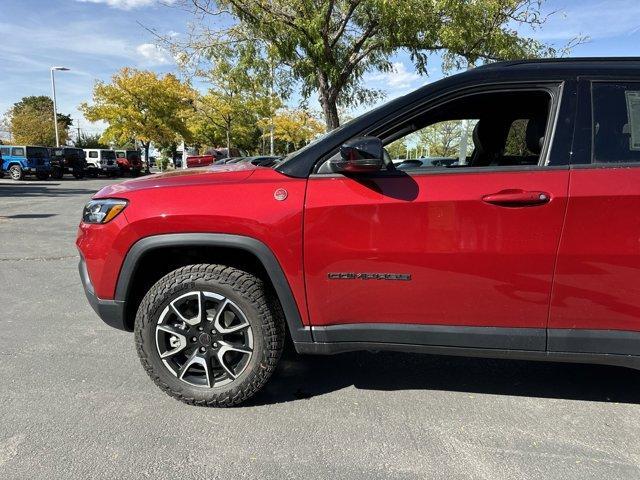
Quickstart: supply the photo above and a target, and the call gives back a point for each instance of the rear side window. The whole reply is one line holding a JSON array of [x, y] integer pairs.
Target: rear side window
[[4, 151], [93, 154], [616, 122], [18, 152]]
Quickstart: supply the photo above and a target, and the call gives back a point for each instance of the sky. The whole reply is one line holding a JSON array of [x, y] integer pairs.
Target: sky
[[95, 38]]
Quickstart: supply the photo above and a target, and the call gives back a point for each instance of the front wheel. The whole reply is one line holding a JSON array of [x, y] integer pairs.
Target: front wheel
[[16, 173], [209, 334], [57, 173]]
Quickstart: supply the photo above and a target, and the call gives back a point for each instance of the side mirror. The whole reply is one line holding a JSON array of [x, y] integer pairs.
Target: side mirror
[[364, 154]]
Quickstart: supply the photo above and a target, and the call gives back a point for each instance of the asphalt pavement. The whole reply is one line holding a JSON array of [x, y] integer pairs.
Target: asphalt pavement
[[76, 404]]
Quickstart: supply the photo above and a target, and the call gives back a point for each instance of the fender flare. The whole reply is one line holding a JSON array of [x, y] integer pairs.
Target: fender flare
[[299, 333]]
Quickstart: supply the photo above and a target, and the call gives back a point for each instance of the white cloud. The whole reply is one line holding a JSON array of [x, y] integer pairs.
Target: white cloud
[[153, 54], [399, 78], [127, 4]]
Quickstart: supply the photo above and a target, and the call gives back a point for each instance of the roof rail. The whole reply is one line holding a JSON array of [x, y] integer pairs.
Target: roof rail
[[563, 60]]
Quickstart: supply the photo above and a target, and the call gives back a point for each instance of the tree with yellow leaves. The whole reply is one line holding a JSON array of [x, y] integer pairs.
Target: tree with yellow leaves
[[140, 105], [293, 127]]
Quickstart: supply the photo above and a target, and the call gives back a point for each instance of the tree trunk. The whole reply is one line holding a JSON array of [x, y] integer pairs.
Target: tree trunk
[[146, 155], [329, 101]]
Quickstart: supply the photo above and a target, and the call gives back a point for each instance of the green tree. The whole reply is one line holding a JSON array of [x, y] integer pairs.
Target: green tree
[[329, 45], [140, 105], [293, 127], [398, 149], [86, 140], [31, 122], [244, 90], [442, 139]]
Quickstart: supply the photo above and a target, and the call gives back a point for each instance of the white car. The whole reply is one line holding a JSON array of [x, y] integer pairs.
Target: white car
[[101, 160]]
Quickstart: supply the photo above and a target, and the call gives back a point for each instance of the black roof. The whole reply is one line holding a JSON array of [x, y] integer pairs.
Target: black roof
[[568, 61]]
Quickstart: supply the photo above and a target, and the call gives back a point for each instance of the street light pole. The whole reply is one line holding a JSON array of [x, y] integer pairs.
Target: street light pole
[[55, 109]]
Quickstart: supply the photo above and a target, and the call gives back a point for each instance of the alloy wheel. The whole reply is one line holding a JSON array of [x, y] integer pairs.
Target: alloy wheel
[[204, 339]]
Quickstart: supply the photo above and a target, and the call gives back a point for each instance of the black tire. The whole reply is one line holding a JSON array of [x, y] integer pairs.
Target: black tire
[[78, 174], [261, 310], [15, 172], [57, 173]]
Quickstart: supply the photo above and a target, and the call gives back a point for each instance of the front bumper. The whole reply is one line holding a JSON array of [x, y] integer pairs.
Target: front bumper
[[110, 311]]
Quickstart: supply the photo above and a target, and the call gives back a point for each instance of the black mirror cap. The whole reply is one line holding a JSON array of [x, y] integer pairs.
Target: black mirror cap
[[363, 154]]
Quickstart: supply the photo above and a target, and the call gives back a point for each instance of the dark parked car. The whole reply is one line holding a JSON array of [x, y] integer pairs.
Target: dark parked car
[[129, 161], [262, 161], [527, 248], [67, 160]]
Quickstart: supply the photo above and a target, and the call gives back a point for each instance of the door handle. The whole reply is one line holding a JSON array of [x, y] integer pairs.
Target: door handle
[[517, 198]]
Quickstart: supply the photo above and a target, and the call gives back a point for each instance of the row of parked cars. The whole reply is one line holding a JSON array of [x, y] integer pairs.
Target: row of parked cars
[[235, 156], [19, 161]]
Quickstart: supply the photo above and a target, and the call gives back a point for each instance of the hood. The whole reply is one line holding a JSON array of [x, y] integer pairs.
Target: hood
[[211, 175]]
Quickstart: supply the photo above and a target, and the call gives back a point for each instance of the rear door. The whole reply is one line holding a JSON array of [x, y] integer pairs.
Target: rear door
[[596, 297], [438, 256]]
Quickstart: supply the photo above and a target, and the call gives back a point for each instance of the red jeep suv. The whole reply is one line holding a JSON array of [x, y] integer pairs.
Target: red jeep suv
[[518, 240]]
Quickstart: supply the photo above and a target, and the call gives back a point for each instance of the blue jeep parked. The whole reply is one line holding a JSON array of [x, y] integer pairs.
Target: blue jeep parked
[[21, 160]]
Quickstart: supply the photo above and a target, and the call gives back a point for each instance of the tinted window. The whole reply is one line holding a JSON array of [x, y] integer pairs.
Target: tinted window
[[483, 130], [93, 154], [4, 151], [18, 151], [108, 154], [37, 152], [74, 153], [616, 122]]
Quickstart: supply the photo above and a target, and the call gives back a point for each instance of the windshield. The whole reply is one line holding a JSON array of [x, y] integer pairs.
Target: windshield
[[37, 152]]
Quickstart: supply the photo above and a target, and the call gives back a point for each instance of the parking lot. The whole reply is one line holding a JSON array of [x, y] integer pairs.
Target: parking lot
[[75, 402]]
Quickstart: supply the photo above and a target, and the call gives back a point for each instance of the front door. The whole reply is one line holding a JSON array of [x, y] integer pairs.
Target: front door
[[444, 240]]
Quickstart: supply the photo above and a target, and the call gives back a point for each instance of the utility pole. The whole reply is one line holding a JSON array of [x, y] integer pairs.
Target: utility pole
[[78, 128], [55, 110], [271, 110]]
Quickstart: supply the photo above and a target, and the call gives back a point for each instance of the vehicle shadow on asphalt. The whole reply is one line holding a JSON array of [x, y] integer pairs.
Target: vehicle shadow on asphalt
[[41, 190], [303, 377]]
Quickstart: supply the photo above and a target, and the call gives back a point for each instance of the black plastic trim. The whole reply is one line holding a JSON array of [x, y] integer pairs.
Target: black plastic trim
[[437, 335], [628, 361], [299, 333], [110, 311], [619, 342]]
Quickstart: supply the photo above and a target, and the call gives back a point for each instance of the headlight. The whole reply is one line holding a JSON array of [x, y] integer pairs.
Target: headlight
[[102, 211]]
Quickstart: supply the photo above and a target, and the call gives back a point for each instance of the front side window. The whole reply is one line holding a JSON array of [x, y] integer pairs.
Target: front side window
[[486, 129], [616, 122], [93, 154], [120, 154], [4, 151]]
